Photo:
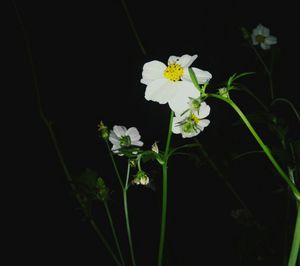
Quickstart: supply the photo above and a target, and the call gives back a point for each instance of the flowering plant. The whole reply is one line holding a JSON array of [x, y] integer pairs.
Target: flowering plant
[[187, 92]]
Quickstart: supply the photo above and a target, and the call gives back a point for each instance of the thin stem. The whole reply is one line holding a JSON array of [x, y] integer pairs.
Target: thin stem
[[296, 240], [164, 194], [100, 235], [113, 231], [290, 104], [133, 27], [48, 125], [127, 216], [261, 143], [114, 164]]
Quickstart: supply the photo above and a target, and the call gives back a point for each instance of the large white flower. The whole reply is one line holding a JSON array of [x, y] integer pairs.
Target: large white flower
[[191, 123], [172, 83], [122, 137], [261, 36]]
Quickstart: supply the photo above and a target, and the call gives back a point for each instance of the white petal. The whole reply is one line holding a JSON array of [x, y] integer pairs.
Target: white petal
[[187, 60], [160, 90], [180, 102], [113, 138], [137, 143], [152, 70], [204, 110], [120, 131], [264, 46], [133, 133], [265, 31], [254, 41], [175, 126], [191, 134], [203, 123], [201, 75], [271, 40], [115, 147]]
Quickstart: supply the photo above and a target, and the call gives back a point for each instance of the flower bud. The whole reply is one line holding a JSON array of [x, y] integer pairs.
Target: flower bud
[[104, 132], [141, 178]]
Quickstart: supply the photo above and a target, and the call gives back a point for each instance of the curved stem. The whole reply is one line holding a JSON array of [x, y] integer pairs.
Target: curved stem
[[48, 125], [294, 254], [261, 143], [164, 195], [114, 231], [127, 216], [290, 104]]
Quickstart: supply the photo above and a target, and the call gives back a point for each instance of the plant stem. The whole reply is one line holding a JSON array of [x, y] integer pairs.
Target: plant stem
[[114, 164], [114, 232], [291, 185], [127, 216], [164, 194], [296, 240]]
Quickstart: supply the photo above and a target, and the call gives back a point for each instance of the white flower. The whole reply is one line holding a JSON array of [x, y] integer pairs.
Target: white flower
[[121, 137], [191, 123], [261, 36], [172, 83]]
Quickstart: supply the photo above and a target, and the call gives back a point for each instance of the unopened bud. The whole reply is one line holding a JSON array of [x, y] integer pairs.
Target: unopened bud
[[141, 178], [104, 132]]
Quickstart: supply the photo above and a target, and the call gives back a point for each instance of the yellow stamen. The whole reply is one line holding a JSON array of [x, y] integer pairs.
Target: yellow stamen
[[173, 72], [195, 119], [260, 38]]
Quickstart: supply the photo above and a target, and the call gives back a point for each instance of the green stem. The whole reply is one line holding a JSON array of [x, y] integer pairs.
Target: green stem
[[261, 143], [114, 232], [296, 240], [164, 195], [48, 125], [114, 164], [127, 216]]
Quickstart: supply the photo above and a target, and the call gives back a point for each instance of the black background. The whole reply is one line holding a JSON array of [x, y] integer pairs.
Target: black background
[[88, 65]]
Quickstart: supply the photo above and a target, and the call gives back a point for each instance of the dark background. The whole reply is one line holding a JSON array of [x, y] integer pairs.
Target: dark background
[[88, 65]]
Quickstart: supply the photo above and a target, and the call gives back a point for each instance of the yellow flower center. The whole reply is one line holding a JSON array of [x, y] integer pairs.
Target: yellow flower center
[[260, 38], [195, 119], [173, 72]]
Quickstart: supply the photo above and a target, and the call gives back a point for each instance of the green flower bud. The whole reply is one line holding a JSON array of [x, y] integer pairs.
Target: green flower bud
[[104, 132], [141, 178]]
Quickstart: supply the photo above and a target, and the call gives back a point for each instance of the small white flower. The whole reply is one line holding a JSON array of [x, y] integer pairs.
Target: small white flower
[[172, 83], [261, 36], [191, 123], [122, 137]]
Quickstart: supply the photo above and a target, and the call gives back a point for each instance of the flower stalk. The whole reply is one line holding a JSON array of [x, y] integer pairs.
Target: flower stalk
[[164, 194]]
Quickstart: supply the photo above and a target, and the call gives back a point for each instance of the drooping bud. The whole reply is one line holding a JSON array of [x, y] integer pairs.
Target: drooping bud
[[141, 178]]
